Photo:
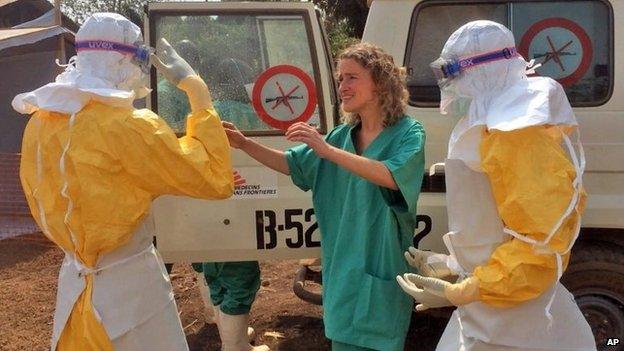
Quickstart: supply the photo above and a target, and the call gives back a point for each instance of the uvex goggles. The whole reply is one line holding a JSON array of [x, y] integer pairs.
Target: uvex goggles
[[140, 53], [447, 69]]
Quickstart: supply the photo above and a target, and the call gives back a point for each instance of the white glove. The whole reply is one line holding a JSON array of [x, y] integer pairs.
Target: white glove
[[424, 299], [429, 264], [169, 63], [177, 71], [458, 294]]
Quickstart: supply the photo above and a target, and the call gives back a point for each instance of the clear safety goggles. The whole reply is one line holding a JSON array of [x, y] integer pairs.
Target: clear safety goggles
[[445, 70], [140, 52]]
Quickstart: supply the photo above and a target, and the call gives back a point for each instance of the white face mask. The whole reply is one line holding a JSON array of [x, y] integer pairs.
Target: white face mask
[[134, 79], [453, 103]]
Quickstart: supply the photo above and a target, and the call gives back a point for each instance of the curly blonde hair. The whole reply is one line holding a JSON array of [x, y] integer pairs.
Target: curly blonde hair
[[389, 79]]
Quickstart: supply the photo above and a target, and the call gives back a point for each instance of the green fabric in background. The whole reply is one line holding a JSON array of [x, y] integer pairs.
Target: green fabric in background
[[173, 106], [233, 285]]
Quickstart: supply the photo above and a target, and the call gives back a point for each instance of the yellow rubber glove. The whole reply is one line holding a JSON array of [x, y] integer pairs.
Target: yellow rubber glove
[[424, 299], [458, 294], [429, 264], [177, 71]]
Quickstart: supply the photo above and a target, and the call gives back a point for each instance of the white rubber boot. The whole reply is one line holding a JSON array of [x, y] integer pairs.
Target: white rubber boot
[[251, 333], [217, 319], [209, 310], [234, 336]]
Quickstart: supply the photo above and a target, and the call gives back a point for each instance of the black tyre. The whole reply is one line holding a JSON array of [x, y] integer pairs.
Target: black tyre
[[595, 276]]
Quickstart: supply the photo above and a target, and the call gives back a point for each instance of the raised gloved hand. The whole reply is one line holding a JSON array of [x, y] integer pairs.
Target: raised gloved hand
[[424, 299], [458, 294], [169, 63], [177, 71], [429, 264]]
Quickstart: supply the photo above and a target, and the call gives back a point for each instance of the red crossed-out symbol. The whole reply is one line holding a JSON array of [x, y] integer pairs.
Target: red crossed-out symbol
[[555, 54], [283, 99], [266, 103]]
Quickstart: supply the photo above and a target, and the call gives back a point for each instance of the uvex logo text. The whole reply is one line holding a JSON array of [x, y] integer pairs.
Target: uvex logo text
[[466, 63], [100, 45]]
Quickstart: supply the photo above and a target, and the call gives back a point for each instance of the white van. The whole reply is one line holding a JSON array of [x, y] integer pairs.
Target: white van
[[268, 64]]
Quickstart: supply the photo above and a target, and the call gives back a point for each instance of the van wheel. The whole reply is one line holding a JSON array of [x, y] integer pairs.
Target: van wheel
[[595, 276]]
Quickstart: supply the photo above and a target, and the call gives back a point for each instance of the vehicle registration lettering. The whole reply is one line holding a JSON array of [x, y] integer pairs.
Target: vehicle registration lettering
[[303, 223]]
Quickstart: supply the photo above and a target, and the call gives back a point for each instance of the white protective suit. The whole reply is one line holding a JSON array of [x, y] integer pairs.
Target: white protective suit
[[512, 219], [91, 166]]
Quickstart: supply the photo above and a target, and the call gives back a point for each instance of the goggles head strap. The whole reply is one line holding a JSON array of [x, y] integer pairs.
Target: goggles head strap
[[140, 52]]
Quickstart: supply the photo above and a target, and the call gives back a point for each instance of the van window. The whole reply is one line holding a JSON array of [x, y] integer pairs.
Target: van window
[[572, 40], [230, 51]]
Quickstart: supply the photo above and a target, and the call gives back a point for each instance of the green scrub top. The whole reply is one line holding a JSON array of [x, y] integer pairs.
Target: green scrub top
[[365, 230]]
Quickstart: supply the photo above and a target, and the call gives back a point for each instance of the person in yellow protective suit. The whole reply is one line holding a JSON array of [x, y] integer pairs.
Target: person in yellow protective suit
[[91, 166], [514, 199]]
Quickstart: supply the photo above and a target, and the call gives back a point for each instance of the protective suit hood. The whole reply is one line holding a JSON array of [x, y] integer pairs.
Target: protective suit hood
[[107, 76], [499, 94]]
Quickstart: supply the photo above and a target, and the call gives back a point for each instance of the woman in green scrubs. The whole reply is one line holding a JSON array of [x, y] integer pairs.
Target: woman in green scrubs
[[365, 176]]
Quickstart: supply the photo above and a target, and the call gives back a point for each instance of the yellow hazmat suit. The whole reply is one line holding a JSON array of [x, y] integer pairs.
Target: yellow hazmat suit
[[532, 188], [90, 173], [514, 200]]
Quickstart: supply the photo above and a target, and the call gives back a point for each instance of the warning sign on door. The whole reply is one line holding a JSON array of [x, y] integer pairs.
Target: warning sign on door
[[283, 95], [562, 47]]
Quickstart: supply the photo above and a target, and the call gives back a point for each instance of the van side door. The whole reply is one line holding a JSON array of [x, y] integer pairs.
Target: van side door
[[267, 66]]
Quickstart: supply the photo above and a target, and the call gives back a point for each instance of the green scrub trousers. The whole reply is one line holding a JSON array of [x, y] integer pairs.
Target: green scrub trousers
[[338, 346], [233, 285]]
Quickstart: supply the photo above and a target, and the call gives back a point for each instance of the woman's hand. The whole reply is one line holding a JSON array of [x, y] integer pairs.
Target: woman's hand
[[303, 132], [274, 159], [372, 170], [235, 137]]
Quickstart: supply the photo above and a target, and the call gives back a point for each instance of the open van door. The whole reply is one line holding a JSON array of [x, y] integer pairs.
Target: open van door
[[267, 66]]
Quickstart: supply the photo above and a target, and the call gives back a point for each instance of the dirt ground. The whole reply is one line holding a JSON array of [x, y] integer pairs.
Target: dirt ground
[[28, 271]]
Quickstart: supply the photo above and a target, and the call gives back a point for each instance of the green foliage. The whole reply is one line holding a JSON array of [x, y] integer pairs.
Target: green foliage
[[79, 10], [344, 22], [340, 38], [352, 12]]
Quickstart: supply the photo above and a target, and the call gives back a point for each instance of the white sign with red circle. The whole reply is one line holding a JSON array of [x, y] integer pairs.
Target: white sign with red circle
[[283, 95], [561, 46]]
